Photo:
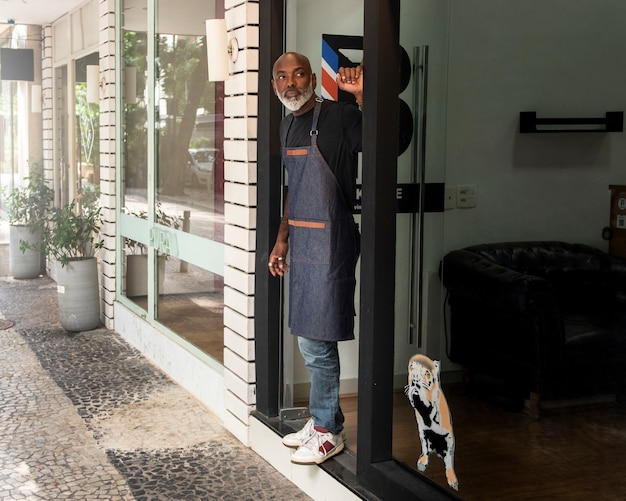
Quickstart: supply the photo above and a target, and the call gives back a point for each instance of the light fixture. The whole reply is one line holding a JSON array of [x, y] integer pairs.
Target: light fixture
[[219, 47], [93, 83], [35, 98]]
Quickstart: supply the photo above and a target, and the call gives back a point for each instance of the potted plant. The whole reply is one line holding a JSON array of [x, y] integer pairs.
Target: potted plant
[[71, 238], [136, 254], [27, 208]]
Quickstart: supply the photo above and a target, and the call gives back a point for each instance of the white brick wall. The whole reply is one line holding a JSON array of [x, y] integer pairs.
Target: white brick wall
[[107, 158], [240, 155], [47, 81]]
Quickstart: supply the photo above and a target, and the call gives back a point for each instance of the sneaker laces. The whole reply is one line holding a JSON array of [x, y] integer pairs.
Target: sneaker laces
[[305, 433], [320, 442]]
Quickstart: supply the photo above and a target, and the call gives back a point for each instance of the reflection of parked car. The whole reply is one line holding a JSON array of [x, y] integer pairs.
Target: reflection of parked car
[[200, 164]]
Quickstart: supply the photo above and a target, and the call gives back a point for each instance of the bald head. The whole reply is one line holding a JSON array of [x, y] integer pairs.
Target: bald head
[[292, 59]]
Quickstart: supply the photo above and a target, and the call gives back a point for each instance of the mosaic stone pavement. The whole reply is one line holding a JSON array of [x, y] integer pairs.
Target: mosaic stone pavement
[[85, 416]]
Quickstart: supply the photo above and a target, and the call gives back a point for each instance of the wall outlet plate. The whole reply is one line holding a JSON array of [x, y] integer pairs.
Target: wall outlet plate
[[466, 196]]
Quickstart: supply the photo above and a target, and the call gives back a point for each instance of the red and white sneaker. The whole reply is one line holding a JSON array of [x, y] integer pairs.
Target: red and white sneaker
[[320, 446]]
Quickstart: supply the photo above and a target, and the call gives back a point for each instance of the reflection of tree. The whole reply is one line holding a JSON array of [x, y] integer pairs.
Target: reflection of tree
[[88, 114], [182, 77], [135, 119], [181, 82]]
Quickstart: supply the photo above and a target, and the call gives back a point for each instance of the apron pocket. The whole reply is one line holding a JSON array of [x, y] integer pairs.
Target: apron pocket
[[309, 241]]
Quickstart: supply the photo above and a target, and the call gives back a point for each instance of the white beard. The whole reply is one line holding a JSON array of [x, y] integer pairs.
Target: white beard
[[296, 102]]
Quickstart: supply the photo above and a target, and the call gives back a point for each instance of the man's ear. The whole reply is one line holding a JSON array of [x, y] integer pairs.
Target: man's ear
[[313, 80], [274, 87]]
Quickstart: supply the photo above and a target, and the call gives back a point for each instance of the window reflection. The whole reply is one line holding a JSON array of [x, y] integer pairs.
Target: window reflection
[[87, 171], [134, 76], [136, 272], [191, 303], [189, 128], [61, 83]]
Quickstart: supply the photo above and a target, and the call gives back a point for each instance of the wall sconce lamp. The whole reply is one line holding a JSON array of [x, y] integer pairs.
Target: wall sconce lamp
[[35, 98], [94, 83], [219, 50]]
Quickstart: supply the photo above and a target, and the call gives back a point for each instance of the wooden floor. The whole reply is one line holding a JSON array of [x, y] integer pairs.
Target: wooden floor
[[198, 318], [571, 453]]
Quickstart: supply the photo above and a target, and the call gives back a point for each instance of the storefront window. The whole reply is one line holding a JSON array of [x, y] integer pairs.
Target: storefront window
[[8, 133], [14, 109], [177, 163]]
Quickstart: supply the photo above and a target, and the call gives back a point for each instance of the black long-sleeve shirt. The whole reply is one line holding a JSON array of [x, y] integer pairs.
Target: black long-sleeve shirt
[[339, 140]]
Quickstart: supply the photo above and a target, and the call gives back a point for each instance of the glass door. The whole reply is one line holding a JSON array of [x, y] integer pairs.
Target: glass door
[[424, 47]]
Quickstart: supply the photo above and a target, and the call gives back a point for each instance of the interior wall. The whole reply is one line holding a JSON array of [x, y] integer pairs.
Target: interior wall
[[560, 59]]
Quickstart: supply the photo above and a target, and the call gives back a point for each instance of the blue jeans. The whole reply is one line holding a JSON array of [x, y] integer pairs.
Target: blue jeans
[[322, 360]]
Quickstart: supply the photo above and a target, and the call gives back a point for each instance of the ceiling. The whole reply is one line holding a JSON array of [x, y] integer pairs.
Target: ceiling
[[35, 11], [175, 17]]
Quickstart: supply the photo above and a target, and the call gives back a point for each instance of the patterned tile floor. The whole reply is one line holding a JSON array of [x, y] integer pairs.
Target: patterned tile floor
[[84, 416]]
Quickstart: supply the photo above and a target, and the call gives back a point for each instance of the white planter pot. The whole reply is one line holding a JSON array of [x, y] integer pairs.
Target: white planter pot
[[25, 264], [78, 293], [137, 274]]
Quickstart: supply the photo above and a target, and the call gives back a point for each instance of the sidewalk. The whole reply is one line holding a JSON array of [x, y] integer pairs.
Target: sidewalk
[[85, 416]]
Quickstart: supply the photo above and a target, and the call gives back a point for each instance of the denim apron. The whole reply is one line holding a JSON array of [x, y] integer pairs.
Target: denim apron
[[323, 246]]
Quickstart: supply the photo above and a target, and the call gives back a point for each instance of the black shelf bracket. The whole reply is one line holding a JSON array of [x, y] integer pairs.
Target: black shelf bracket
[[613, 121]]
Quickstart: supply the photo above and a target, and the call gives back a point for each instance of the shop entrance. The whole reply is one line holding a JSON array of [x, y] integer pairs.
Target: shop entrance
[[419, 199]]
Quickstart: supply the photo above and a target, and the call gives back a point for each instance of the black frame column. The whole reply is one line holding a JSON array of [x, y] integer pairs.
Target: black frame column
[[267, 309], [378, 223]]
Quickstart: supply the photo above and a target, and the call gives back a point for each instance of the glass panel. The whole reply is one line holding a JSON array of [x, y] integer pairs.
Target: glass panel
[[184, 173], [136, 272], [191, 303], [135, 103], [15, 119], [533, 322], [190, 167], [423, 41], [87, 127], [63, 195], [8, 135], [189, 172]]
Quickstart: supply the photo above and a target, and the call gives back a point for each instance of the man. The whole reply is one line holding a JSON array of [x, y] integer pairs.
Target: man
[[320, 140]]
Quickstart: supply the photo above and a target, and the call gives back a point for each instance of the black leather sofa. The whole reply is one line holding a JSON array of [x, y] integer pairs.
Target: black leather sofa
[[547, 319]]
